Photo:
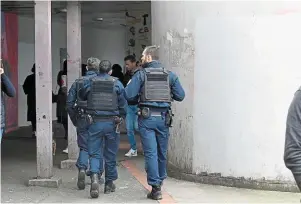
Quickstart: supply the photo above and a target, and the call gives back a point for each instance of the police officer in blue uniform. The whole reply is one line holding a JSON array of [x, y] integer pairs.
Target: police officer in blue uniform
[[105, 104], [156, 88], [76, 109]]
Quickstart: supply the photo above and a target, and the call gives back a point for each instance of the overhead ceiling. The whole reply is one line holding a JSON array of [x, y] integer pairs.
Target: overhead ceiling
[[112, 12]]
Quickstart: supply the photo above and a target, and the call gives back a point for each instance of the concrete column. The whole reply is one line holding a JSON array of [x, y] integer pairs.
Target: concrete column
[[74, 71], [44, 91], [240, 66]]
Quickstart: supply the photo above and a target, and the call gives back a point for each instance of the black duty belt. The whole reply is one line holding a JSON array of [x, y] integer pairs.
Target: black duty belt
[[151, 111], [132, 103], [156, 113], [104, 118]]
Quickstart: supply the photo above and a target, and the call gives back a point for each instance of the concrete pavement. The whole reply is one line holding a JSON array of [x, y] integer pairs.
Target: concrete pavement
[[19, 164]]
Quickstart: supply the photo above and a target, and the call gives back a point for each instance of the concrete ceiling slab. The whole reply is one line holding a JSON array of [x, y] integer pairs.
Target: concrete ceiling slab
[[112, 12]]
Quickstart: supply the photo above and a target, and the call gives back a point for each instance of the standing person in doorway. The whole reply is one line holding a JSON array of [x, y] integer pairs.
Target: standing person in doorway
[[156, 88], [29, 88], [132, 109], [61, 111], [6, 88]]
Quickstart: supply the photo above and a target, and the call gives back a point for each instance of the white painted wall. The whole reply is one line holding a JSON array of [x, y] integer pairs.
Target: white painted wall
[[246, 70], [104, 44]]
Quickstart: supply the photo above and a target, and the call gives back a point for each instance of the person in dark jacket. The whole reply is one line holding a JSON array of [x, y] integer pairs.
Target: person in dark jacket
[[292, 149], [29, 88], [61, 112], [117, 72], [6, 88]]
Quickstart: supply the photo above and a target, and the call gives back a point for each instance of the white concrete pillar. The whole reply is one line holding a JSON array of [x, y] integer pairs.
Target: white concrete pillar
[[43, 60], [239, 63], [74, 71]]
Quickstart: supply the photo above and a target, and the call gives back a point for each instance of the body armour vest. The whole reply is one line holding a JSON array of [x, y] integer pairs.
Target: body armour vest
[[79, 85], [102, 95], [156, 86]]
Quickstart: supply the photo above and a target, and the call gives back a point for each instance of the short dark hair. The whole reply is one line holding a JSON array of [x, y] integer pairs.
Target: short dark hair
[[117, 67], [33, 69], [105, 66], [131, 58], [153, 51]]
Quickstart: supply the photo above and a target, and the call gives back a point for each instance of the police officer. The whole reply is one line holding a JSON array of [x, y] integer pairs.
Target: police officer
[[292, 152], [76, 109], [156, 88], [105, 103]]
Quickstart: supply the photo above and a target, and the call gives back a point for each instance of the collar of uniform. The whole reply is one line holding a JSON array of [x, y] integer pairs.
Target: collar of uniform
[[92, 71], [152, 64], [133, 72], [102, 74]]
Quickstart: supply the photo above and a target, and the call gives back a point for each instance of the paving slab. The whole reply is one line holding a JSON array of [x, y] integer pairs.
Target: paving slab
[[18, 165], [190, 192]]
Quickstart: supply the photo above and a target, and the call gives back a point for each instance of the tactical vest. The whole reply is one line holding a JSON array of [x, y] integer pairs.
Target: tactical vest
[[102, 95], [79, 85], [156, 86]]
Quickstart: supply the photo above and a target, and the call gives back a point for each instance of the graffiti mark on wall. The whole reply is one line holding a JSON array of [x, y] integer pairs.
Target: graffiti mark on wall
[[132, 30], [132, 43], [138, 33], [143, 30], [129, 16], [144, 19]]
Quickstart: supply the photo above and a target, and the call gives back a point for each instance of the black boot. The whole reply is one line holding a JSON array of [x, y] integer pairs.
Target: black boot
[[101, 180], [109, 187], [81, 179], [94, 191], [155, 194]]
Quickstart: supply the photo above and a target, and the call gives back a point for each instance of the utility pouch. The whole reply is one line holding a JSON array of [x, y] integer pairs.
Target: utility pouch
[[145, 112]]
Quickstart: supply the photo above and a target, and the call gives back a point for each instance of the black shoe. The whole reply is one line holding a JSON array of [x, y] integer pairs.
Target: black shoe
[[94, 191], [81, 179], [109, 187], [155, 194]]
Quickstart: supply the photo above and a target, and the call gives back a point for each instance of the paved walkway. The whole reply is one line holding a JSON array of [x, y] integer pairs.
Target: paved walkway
[[18, 165]]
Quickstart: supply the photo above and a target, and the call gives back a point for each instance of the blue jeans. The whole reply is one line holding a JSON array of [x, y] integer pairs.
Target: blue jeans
[[132, 124], [103, 144], [154, 137], [82, 142]]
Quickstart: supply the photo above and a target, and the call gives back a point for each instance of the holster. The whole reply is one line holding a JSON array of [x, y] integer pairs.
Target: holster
[[169, 118], [118, 122]]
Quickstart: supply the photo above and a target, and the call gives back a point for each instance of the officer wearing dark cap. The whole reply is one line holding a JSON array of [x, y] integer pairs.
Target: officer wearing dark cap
[[105, 104]]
